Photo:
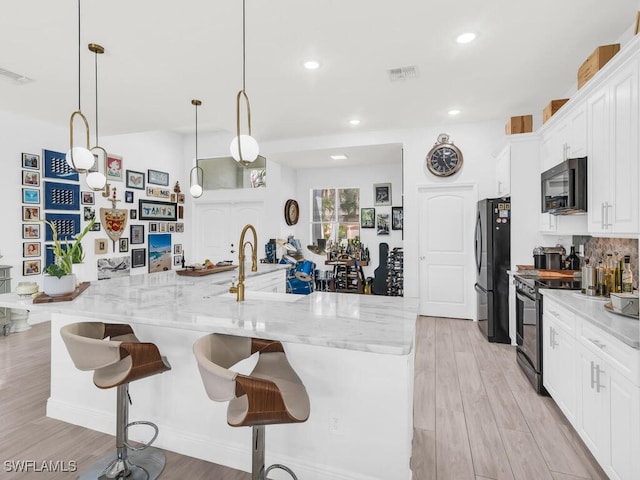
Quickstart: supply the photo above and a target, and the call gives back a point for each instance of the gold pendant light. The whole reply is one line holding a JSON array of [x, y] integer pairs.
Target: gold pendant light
[[244, 148], [78, 157], [196, 174], [97, 180]]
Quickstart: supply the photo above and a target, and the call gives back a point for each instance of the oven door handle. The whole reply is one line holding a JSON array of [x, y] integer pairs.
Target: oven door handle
[[523, 298]]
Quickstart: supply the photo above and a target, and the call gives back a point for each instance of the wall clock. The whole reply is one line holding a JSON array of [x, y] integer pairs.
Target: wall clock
[[291, 212], [444, 159]]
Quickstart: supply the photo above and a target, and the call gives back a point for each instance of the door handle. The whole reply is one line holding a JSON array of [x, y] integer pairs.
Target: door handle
[[597, 343], [599, 386], [606, 209], [593, 379], [602, 215], [551, 337]]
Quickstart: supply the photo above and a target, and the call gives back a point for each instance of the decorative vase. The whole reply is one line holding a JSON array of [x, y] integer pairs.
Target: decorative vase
[[55, 287]]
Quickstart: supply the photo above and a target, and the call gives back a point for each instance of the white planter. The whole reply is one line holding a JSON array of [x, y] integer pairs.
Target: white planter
[[55, 287]]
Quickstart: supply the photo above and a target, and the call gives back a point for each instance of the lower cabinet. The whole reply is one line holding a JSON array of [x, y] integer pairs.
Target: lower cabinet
[[595, 380], [273, 282]]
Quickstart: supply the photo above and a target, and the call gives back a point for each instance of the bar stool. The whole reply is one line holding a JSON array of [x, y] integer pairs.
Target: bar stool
[[273, 393], [116, 362]]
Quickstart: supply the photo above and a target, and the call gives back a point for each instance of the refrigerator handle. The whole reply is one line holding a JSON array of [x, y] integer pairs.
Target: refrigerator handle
[[478, 240]]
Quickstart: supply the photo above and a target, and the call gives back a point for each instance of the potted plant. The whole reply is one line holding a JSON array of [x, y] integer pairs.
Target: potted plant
[[59, 278]]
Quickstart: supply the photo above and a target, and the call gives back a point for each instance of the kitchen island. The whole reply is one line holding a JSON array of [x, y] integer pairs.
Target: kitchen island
[[354, 353]]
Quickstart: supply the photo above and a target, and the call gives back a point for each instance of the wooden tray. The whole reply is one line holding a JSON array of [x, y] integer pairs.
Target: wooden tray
[[205, 271], [43, 298]]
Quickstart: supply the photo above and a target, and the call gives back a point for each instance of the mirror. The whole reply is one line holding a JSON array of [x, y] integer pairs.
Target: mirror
[[220, 173]]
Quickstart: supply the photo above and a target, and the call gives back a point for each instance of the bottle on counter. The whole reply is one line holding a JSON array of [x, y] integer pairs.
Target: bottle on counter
[[601, 283], [572, 261], [610, 274], [627, 275], [618, 275]]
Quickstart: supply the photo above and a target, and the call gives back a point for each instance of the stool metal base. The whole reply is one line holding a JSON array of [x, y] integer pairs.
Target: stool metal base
[[146, 464], [258, 471]]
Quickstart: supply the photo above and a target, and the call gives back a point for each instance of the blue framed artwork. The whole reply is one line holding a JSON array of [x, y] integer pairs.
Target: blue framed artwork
[[61, 196], [67, 225], [30, 195], [56, 166], [159, 252]]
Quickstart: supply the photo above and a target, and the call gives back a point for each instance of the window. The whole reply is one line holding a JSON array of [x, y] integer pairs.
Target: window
[[335, 214]]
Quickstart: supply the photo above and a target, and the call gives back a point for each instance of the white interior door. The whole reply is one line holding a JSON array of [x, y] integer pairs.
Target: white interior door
[[219, 226], [446, 273]]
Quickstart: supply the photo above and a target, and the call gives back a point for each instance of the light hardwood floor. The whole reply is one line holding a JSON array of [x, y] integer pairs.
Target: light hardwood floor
[[475, 415]]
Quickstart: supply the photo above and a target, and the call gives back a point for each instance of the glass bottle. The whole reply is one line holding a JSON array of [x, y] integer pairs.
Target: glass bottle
[[573, 261], [610, 274], [627, 275], [601, 284], [618, 275]]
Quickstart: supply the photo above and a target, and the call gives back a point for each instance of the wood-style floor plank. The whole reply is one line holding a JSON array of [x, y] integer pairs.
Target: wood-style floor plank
[[476, 416]]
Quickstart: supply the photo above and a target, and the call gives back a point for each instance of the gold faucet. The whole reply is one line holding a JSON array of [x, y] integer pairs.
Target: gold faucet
[[239, 289]]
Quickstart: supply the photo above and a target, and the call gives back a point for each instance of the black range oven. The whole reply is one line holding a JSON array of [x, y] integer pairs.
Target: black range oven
[[529, 328]]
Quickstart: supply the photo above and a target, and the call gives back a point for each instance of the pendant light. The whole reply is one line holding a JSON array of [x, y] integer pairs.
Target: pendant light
[[79, 158], [96, 180], [196, 174], [244, 148]]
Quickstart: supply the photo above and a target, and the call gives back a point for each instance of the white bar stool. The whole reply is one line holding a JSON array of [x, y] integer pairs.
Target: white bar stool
[[116, 362], [273, 393]]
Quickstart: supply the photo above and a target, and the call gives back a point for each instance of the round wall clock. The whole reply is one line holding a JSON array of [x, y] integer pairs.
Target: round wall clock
[[444, 159], [291, 212]]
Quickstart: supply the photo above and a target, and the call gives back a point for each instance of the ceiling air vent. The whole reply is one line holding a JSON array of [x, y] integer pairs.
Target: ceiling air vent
[[14, 77], [403, 73]]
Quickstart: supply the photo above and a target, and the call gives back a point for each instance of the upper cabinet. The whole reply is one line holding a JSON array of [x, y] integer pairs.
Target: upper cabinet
[[503, 172], [612, 144], [566, 139]]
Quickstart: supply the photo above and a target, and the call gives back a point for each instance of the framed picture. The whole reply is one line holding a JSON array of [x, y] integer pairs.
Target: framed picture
[[61, 196], [382, 194], [133, 214], [96, 163], [153, 227], [157, 177], [31, 267], [87, 198], [159, 192], [114, 168], [173, 198], [96, 227], [30, 231], [30, 195], [136, 234], [162, 227], [180, 211], [156, 210], [382, 223], [56, 166], [89, 213], [31, 161], [172, 227], [113, 267], [179, 227], [177, 249], [30, 213], [138, 257], [31, 249], [123, 245], [135, 180], [397, 218], [181, 198], [67, 225], [177, 260], [367, 218], [30, 178], [128, 196], [159, 252], [101, 245]]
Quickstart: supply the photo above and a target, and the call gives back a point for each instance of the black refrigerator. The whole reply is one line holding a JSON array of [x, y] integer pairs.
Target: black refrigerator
[[493, 259]]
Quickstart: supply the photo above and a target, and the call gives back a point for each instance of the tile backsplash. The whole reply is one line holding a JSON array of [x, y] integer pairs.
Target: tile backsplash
[[597, 248]]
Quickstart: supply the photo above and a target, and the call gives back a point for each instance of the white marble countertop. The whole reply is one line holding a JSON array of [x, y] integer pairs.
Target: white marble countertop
[[355, 322], [623, 328]]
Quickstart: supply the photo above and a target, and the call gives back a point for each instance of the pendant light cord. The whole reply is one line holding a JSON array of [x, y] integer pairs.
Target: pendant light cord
[[243, 46], [95, 55], [79, 109], [196, 134]]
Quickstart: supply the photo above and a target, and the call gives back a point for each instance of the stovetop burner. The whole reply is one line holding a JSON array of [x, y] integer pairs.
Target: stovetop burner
[[535, 282]]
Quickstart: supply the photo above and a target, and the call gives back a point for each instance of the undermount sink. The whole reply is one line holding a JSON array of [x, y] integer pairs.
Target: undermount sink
[[264, 296]]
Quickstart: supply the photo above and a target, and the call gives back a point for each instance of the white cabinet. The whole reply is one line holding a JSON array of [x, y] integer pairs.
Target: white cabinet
[[565, 138], [612, 129], [595, 380], [547, 223], [559, 357], [273, 282], [503, 172]]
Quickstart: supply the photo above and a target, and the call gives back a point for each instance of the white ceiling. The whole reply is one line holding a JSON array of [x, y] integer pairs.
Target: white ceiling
[[161, 54]]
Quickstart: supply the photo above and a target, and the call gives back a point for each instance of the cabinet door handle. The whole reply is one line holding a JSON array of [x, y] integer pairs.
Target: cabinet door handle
[[593, 378], [597, 343], [602, 215], [599, 386], [607, 207], [551, 337]]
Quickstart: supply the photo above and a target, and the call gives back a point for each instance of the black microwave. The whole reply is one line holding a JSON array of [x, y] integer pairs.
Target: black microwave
[[564, 188]]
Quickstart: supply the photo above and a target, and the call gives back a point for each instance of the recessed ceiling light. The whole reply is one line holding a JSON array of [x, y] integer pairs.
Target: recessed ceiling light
[[311, 64], [354, 122], [340, 156], [466, 37], [454, 112]]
